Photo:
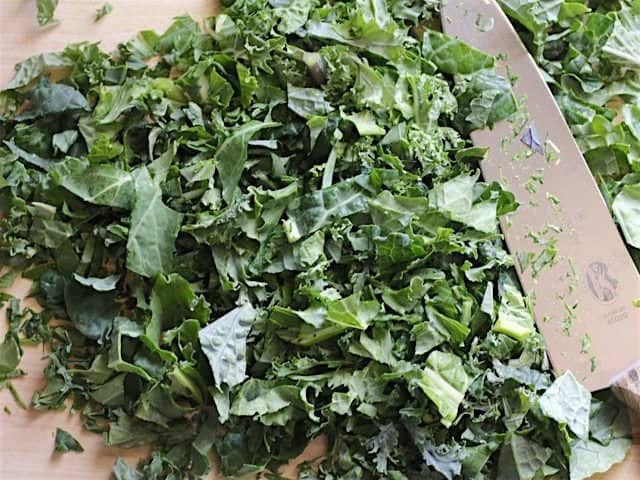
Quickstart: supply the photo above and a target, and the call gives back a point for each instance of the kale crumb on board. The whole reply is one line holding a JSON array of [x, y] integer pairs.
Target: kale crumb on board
[[45, 11], [65, 442], [104, 10], [278, 231]]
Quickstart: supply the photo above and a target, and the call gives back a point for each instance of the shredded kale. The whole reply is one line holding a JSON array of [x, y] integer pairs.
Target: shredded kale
[[65, 442], [45, 12], [273, 229], [104, 10]]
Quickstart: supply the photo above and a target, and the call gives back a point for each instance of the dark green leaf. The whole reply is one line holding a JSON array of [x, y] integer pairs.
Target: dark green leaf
[[65, 442], [91, 312], [28, 157], [47, 99]]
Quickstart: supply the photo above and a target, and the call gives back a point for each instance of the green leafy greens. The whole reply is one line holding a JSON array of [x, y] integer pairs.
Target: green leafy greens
[[45, 11], [104, 10], [276, 231], [65, 442]]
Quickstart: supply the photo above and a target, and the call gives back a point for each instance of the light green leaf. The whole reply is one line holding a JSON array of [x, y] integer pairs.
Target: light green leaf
[[382, 40], [104, 148], [378, 346], [609, 419], [535, 15], [248, 84], [307, 252], [455, 198], [314, 315], [307, 102], [123, 327], [63, 141], [445, 382], [102, 185], [626, 208], [405, 299], [514, 317], [173, 301], [365, 124], [452, 55], [375, 90], [103, 11], [523, 459], [568, 402], [8, 278], [293, 14], [589, 457], [428, 97], [105, 284], [427, 337], [50, 233], [224, 343], [273, 404], [351, 312], [623, 45], [485, 99], [123, 471], [114, 100]]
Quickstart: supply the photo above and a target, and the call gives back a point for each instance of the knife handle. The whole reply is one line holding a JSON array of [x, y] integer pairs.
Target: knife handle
[[626, 386]]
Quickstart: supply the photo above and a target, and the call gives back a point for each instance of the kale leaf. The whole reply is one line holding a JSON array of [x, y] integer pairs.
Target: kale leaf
[[272, 230]]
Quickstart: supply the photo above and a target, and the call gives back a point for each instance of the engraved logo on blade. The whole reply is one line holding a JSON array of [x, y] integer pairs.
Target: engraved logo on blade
[[602, 285]]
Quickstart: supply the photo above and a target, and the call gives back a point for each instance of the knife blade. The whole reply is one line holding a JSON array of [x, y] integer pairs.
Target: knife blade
[[583, 301]]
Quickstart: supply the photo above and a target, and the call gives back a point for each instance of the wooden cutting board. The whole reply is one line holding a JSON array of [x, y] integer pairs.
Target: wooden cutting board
[[27, 436]]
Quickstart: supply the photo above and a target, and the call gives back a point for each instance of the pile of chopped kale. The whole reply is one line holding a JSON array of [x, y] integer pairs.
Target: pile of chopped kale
[[274, 229]]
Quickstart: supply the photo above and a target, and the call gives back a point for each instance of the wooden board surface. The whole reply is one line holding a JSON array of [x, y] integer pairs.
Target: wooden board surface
[[26, 437], [21, 37]]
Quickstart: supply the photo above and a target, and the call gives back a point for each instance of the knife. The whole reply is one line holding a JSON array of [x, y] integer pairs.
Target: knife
[[583, 301]]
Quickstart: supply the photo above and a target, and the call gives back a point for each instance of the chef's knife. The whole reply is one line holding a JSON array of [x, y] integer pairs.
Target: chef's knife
[[584, 301]]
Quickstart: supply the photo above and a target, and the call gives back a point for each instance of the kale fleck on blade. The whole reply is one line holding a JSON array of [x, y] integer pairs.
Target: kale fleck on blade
[[589, 54], [273, 229]]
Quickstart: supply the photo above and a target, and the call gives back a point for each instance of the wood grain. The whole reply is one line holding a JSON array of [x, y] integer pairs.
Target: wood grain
[[21, 37], [26, 437]]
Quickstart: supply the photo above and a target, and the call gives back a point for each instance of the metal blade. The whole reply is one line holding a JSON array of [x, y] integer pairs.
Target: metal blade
[[595, 304]]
